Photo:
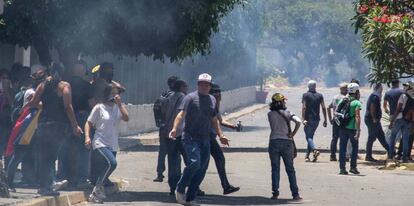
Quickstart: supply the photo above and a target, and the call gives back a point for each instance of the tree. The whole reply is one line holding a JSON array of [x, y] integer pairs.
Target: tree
[[157, 28], [307, 32], [386, 27]]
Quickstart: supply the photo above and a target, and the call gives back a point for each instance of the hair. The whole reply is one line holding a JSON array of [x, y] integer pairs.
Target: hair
[[355, 81], [215, 88], [395, 82], [277, 105], [171, 81], [106, 65], [178, 85]]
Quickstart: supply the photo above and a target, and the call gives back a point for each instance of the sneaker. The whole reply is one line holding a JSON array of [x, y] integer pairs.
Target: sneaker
[[180, 197], [316, 154], [95, 199], [99, 191], [343, 172], [47, 192], [370, 159], [12, 189], [230, 189], [200, 192], [354, 171], [307, 159], [192, 203], [109, 183], [405, 160], [297, 198], [159, 179], [60, 185], [333, 159], [398, 157], [274, 197]]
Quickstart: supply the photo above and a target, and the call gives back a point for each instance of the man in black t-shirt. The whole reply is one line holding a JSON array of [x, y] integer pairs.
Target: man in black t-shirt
[[372, 119], [312, 102], [198, 112]]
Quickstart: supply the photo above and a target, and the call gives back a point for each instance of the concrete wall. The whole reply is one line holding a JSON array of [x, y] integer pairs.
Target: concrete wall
[[142, 116]]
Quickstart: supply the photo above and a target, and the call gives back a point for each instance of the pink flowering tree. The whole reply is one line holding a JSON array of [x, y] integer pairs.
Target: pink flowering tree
[[387, 30]]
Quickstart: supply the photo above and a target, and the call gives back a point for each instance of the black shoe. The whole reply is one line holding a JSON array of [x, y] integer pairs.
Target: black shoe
[[354, 171], [172, 193], [200, 193], [159, 179], [398, 157], [333, 159], [343, 172], [109, 183], [405, 160], [370, 159], [230, 189], [347, 159], [274, 197], [297, 198], [316, 154]]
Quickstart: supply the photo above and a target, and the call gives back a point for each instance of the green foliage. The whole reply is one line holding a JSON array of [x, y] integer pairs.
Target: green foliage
[[156, 28], [387, 31], [305, 32]]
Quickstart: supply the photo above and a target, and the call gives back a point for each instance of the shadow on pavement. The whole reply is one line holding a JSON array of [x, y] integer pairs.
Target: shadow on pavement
[[163, 197]]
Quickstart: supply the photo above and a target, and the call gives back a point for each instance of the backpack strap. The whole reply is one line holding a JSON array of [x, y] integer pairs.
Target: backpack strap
[[286, 120]]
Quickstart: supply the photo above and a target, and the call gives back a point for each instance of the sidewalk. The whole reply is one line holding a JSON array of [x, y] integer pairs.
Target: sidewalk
[[29, 197]]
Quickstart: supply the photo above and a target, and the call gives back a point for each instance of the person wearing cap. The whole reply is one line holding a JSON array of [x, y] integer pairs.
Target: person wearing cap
[[352, 131], [281, 144], [343, 89], [216, 151], [312, 103], [198, 112], [372, 119], [400, 122]]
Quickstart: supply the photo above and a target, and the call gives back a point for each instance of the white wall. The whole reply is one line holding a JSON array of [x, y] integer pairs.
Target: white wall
[[142, 116]]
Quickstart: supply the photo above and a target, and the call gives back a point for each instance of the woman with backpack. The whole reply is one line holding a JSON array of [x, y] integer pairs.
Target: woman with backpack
[[281, 144]]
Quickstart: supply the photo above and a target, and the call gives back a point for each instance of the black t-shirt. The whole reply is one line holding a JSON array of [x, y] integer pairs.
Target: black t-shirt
[[200, 110], [375, 100], [81, 93], [313, 101], [392, 96]]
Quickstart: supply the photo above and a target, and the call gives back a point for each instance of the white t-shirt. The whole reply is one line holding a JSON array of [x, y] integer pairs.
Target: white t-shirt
[[402, 100], [106, 120]]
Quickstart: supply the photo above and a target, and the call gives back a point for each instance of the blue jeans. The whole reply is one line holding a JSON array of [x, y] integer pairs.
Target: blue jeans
[[403, 126], [344, 136], [375, 132], [49, 139], [17, 157], [277, 149], [310, 130], [105, 163], [197, 151]]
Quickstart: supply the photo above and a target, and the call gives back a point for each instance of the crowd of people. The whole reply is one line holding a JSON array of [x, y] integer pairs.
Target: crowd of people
[[52, 113]]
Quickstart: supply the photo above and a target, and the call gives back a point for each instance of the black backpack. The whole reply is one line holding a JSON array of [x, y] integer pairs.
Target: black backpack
[[160, 108], [342, 113]]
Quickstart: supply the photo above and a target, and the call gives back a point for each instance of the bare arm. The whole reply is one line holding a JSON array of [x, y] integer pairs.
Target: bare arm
[[297, 125], [88, 126], [219, 132], [324, 113], [394, 116], [373, 113], [385, 106], [177, 123], [303, 112], [67, 102], [124, 112], [35, 101], [225, 123], [358, 123]]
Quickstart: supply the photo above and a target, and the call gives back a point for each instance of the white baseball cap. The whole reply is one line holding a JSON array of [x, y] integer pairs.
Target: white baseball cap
[[204, 78], [37, 67]]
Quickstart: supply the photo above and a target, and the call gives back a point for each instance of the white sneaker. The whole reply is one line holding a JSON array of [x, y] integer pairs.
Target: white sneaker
[[99, 191], [192, 203], [93, 198], [60, 185], [180, 197]]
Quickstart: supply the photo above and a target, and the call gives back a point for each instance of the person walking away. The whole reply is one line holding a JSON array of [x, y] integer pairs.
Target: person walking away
[[312, 102], [6, 99], [55, 121], [400, 121], [160, 107], [105, 117], [215, 148], [281, 144], [174, 148], [372, 119], [198, 112], [343, 88], [351, 131]]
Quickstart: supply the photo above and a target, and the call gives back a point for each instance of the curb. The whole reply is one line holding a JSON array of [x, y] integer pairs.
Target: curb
[[67, 199], [132, 142]]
